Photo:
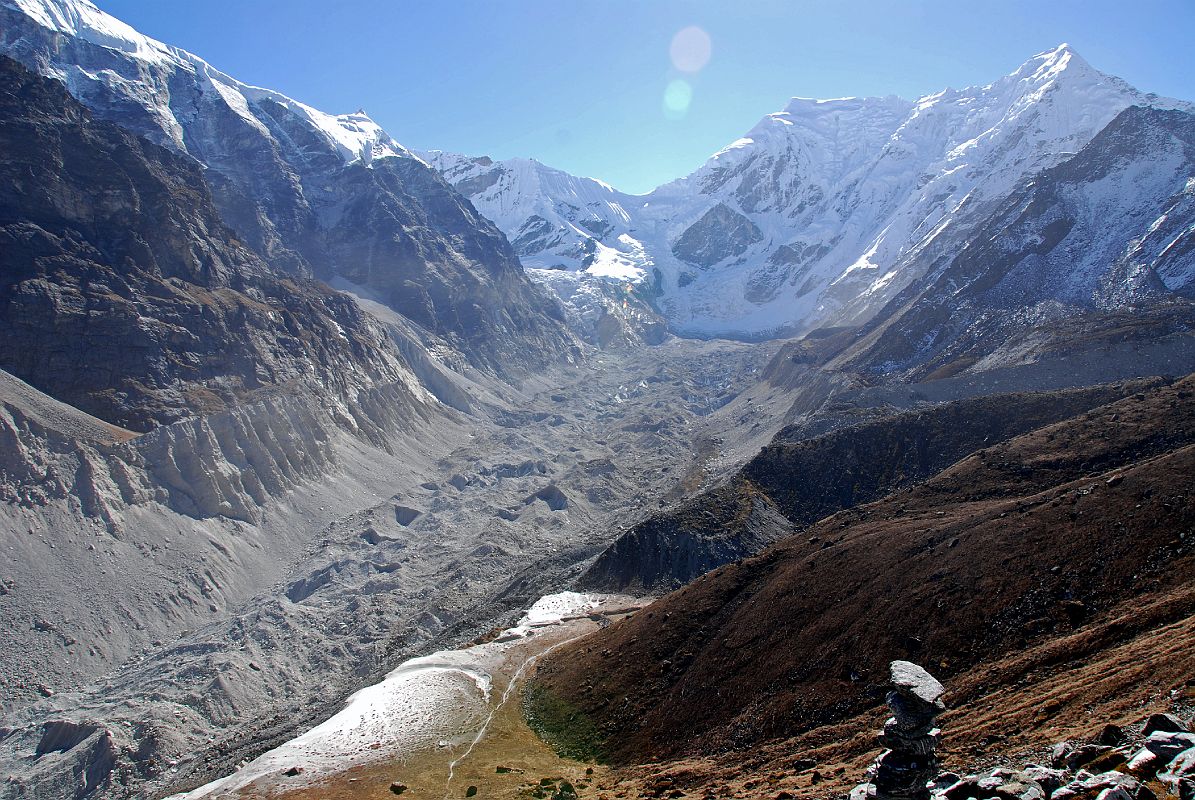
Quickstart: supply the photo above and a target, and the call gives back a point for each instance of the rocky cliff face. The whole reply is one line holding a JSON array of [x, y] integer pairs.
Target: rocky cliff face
[[312, 193], [124, 294], [720, 234]]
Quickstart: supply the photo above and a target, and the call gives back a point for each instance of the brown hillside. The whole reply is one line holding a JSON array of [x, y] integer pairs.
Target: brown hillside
[[795, 481], [1012, 547], [1137, 659]]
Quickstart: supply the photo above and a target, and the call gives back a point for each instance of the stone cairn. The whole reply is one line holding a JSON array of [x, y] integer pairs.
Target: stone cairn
[[910, 761]]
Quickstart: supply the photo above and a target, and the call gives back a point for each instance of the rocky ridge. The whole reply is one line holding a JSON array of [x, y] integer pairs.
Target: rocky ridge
[[125, 295], [798, 479], [312, 193]]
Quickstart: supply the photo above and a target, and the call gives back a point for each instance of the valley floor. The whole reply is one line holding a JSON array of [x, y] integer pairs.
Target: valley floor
[[390, 555], [436, 725], [377, 571]]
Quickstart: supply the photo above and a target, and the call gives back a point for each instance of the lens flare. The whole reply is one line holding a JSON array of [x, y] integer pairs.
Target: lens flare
[[677, 98], [690, 49]]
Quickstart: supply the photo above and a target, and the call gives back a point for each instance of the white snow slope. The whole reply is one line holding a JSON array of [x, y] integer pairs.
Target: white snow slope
[[822, 212]]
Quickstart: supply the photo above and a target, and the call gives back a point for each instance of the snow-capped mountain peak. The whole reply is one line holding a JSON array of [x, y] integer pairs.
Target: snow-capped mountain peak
[[1050, 64], [354, 137], [82, 19], [554, 220], [821, 212]]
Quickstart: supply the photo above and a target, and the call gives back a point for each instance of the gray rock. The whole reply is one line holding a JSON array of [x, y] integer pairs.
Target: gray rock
[[1087, 784], [1114, 793], [721, 233], [1048, 779], [943, 781], [1145, 763], [1181, 768], [1060, 752], [1005, 785], [1163, 722], [1167, 744], [1085, 754], [909, 678]]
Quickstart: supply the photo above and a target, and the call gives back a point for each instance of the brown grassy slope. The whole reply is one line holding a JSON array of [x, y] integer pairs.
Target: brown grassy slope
[[1130, 663], [1008, 548]]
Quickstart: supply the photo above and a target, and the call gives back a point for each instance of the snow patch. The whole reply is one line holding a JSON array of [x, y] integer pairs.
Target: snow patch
[[442, 697]]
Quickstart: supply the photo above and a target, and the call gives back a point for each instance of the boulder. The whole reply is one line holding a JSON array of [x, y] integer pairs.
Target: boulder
[[1113, 793], [1163, 722], [1048, 779], [1167, 745], [1144, 764], [1084, 755], [1180, 769], [1112, 736], [1094, 787]]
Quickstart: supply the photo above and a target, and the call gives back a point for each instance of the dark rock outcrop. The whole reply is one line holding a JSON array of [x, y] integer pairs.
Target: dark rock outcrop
[[671, 548], [720, 234]]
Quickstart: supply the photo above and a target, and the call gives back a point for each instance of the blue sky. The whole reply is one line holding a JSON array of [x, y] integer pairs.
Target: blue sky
[[581, 84]]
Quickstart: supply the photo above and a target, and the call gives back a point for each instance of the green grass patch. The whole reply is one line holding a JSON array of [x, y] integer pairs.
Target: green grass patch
[[565, 728]]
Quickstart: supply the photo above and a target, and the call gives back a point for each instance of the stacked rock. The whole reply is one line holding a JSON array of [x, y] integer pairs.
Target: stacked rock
[[906, 768]]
